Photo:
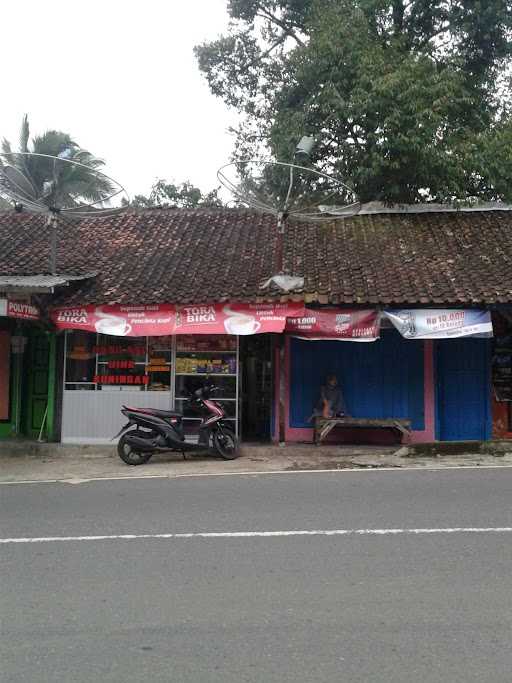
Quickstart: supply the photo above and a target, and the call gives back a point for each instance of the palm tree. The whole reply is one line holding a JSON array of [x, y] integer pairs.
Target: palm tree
[[57, 184]]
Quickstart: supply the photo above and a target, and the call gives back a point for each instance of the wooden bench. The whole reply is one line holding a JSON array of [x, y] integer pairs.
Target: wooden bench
[[324, 425]]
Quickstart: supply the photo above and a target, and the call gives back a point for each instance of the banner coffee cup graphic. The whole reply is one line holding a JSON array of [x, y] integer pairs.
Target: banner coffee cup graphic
[[241, 325], [114, 325]]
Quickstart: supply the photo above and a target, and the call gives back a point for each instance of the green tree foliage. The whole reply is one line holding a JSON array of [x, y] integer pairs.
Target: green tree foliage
[[71, 184], [184, 195], [410, 100]]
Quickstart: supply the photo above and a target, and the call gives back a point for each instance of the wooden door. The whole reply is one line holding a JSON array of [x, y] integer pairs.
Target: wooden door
[[36, 382], [463, 389], [5, 361]]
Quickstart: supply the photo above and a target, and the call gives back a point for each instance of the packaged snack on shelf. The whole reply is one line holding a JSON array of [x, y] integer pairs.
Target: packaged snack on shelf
[[216, 366], [158, 368], [181, 365]]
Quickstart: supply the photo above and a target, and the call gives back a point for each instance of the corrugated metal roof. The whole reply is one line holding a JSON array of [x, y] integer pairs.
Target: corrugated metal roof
[[37, 283], [379, 208]]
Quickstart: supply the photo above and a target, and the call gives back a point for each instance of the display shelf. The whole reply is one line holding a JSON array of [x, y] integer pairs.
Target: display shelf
[[135, 362], [209, 353], [502, 369], [184, 382], [205, 374]]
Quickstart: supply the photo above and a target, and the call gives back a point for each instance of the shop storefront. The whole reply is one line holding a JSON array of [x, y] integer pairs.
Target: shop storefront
[[429, 367], [26, 371], [102, 373], [108, 363], [501, 375]]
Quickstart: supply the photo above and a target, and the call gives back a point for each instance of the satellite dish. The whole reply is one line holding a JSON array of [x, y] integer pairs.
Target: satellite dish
[[19, 182], [59, 184], [66, 186], [288, 190]]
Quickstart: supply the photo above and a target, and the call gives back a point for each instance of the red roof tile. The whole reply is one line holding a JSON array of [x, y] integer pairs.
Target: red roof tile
[[183, 256]]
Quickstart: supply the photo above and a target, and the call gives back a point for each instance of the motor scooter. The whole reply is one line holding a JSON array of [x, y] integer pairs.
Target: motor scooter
[[151, 431]]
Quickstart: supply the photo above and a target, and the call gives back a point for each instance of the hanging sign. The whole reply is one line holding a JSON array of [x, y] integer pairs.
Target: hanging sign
[[168, 319], [237, 319], [331, 323], [21, 310], [438, 323], [118, 321]]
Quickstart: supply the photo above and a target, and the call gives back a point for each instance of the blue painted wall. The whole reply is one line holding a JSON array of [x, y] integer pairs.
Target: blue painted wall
[[463, 389], [379, 379]]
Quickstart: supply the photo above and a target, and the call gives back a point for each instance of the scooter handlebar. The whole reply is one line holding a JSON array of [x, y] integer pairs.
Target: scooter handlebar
[[203, 392]]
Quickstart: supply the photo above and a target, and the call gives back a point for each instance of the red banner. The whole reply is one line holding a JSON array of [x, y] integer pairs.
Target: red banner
[[118, 321], [330, 323], [238, 319], [166, 319], [23, 311], [18, 309]]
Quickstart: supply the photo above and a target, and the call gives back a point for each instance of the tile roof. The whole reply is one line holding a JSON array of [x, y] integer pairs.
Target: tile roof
[[205, 255]]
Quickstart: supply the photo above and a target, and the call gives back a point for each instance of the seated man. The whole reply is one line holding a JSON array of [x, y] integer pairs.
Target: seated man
[[332, 403]]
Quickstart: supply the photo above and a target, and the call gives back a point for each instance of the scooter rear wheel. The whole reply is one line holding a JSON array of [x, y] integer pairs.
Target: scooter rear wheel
[[128, 455], [226, 444]]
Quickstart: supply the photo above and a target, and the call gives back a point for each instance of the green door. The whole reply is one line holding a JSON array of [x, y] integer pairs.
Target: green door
[[36, 361]]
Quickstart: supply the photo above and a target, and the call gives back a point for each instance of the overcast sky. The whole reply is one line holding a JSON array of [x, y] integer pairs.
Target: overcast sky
[[120, 76]]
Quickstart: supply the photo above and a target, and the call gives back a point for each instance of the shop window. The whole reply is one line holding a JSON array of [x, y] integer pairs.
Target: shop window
[[121, 364], [502, 363], [80, 361], [213, 356], [105, 363], [158, 366]]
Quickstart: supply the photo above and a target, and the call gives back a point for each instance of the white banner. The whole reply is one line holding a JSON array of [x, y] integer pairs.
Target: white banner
[[439, 323]]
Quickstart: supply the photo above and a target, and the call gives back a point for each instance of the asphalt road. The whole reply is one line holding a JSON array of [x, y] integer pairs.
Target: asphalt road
[[427, 606]]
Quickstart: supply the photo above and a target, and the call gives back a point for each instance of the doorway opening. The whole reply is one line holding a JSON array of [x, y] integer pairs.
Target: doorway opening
[[256, 387]]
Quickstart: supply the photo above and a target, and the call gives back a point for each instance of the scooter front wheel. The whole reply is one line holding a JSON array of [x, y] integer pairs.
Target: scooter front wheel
[[128, 455], [226, 444]]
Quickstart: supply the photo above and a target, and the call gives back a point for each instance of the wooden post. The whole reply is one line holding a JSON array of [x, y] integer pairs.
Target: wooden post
[[277, 379], [52, 380]]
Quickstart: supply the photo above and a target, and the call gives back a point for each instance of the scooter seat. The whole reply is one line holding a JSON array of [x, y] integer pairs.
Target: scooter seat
[[167, 413], [155, 412]]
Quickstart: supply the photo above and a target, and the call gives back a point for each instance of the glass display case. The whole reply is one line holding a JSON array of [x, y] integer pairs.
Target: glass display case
[[199, 357], [164, 371]]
